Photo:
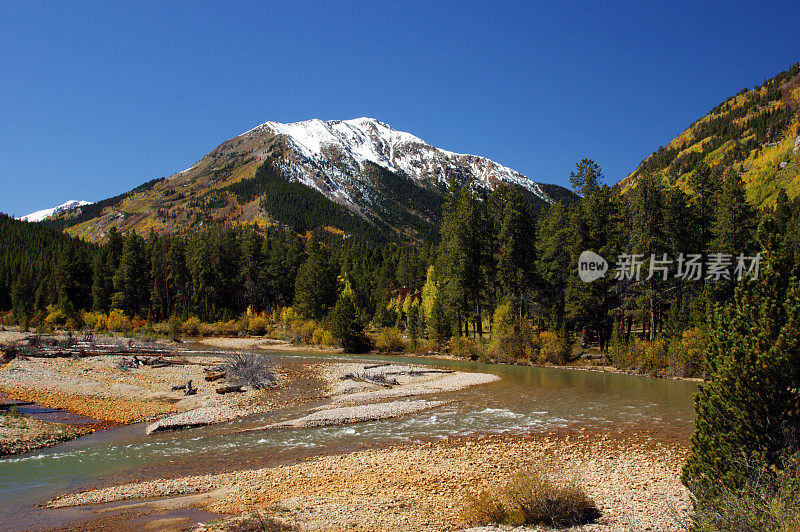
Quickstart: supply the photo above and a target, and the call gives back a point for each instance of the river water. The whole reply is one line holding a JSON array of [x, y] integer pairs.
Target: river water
[[525, 399]]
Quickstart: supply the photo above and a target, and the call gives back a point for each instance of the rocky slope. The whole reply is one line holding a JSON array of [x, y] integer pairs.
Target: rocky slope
[[355, 176]]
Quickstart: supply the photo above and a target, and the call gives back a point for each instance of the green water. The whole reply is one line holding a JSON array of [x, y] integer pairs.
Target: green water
[[525, 399]]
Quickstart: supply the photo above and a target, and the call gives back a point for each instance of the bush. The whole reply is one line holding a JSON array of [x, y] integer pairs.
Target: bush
[[192, 326], [554, 349], [56, 317], [90, 319], [513, 340], [768, 501], [258, 325], [209, 329], [253, 522], [463, 347], [389, 341], [101, 324], [118, 321], [538, 501], [486, 509], [175, 327], [686, 356], [533, 499], [252, 371]]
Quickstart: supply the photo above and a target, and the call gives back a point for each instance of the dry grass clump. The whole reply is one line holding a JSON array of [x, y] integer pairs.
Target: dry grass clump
[[533, 499], [252, 522]]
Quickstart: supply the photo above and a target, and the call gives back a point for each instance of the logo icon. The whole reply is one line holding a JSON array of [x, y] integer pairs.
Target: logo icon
[[591, 266]]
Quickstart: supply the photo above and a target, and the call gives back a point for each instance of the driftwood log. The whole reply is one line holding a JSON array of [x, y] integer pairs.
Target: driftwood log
[[211, 377], [229, 389], [187, 388]]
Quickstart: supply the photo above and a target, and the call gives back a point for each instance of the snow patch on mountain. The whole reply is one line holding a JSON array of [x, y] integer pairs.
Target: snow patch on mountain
[[38, 216], [335, 146]]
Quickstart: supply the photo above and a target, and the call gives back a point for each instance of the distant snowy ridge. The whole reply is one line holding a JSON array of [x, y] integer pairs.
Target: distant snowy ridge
[[367, 140], [38, 216]]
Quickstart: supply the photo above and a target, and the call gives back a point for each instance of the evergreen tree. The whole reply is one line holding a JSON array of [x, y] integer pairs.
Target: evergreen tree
[[747, 409], [593, 225], [554, 261], [315, 288], [732, 230], [131, 277], [461, 255], [516, 253], [345, 325]]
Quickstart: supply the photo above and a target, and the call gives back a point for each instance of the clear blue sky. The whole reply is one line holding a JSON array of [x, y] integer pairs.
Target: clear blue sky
[[98, 97]]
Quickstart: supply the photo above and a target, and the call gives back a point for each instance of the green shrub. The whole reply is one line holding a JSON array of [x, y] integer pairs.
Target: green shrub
[[554, 349], [175, 327], [768, 501], [56, 317], [306, 331], [686, 356], [513, 340], [90, 319], [463, 347]]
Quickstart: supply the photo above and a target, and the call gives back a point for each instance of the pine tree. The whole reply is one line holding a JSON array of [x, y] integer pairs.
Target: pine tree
[[131, 277], [345, 324], [462, 255], [593, 224], [315, 287], [747, 411], [516, 253], [440, 328]]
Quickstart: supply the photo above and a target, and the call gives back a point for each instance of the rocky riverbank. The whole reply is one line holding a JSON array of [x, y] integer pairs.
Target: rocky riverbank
[[634, 481], [21, 434]]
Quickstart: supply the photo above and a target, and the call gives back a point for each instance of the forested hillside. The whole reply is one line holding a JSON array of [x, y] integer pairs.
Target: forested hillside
[[753, 133]]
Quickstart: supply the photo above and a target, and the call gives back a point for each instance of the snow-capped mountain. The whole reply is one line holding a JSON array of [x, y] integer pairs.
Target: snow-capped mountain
[[339, 149], [357, 176], [38, 216]]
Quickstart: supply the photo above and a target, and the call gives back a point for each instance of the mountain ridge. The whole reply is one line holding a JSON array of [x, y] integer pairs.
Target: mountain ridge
[[390, 180]]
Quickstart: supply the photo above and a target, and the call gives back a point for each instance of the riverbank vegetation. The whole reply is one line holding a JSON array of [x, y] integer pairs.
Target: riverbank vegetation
[[501, 284], [533, 498]]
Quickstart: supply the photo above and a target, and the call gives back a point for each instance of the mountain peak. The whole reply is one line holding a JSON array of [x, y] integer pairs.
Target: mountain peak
[[358, 141], [38, 216], [358, 174]]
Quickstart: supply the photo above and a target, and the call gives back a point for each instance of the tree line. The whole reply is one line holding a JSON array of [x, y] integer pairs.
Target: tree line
[[495, 250]]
